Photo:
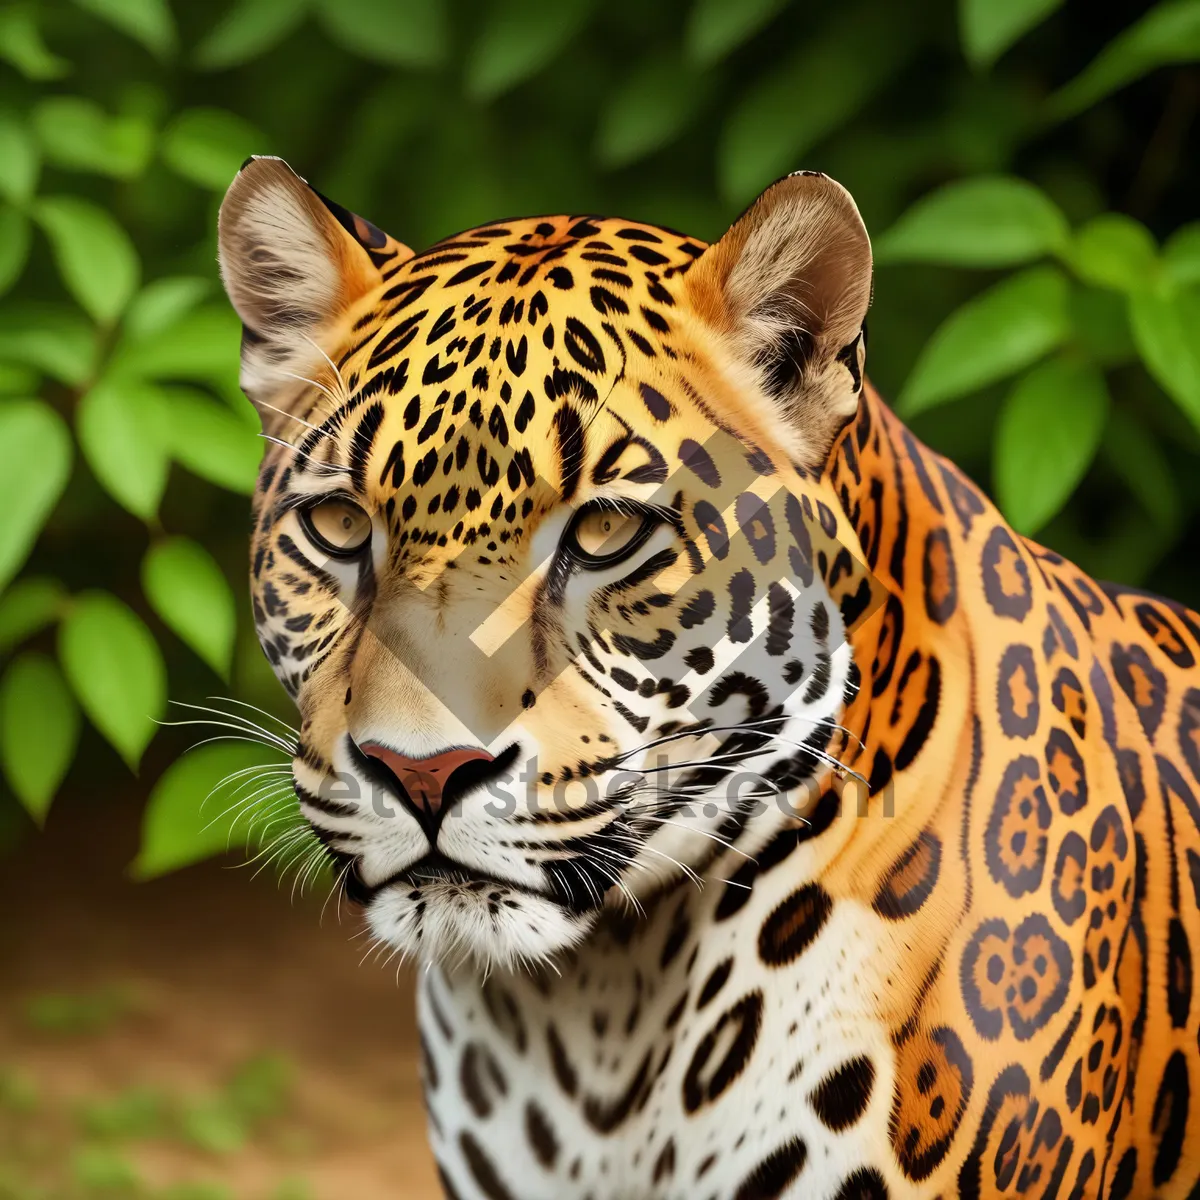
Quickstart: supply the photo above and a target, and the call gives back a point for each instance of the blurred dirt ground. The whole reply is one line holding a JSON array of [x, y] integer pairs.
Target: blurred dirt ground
[[180, 992]]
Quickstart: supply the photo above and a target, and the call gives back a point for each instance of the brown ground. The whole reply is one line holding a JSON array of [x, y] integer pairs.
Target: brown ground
[[219, 969]]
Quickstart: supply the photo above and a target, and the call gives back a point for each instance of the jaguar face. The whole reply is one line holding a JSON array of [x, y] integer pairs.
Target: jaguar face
[[542, 546]]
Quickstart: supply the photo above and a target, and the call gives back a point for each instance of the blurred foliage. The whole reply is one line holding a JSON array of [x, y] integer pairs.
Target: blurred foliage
[[83, 1146], [78, 1012], [1027, 167]]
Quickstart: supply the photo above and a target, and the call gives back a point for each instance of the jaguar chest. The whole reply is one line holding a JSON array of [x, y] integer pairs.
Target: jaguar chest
[[702, 1050]]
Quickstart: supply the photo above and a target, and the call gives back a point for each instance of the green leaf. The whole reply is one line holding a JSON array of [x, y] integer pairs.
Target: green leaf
[[1168, 33], [994, 335], [249, 29], [14, 246], [197, 1189], [18, 1093], [651, 108], [136, 1112], [1166, 330], [213, 442], [28, 607], [122, 429], [76, 1013], [992, 221], [145, 101], [1047, 435], [1100, 323], [793, 107], [37, 464], [57, 340], [208, 146], [1114, 251], [1134, 454], [19, 159], [146, 21], [518, 38], [203, 344], [1181, 255], [715, 28], [189, 592], [989, 27], [193, 811], [18, 380], [393, 112], [39, 730], [115, 669], [402, 33], [105, 1171], [22, 46], [260, 1087], [160, 304], [214, 1126], [93, 253], [78, 134]]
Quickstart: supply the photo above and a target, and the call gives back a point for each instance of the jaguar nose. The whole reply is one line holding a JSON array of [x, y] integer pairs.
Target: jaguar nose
[[424, 779]]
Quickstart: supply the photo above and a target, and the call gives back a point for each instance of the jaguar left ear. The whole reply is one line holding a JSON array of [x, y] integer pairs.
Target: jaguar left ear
[[293, 263], [790, 284]]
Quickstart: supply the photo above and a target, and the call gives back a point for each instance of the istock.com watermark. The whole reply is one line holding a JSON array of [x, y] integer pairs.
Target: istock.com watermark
[[521, 791]]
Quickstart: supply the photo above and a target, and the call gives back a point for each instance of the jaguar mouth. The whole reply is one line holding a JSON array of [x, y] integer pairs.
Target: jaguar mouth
[[439, 910], [435, 867]]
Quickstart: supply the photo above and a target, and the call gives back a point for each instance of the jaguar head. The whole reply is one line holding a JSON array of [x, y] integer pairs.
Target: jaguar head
[[543, 548]]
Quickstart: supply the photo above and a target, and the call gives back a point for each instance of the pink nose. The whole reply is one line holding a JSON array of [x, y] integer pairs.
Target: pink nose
[[424, 779]]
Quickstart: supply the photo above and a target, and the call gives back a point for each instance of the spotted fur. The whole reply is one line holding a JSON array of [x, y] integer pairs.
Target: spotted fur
[[940, 946]]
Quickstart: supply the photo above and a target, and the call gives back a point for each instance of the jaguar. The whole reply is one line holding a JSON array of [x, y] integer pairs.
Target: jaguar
[[768, 818]]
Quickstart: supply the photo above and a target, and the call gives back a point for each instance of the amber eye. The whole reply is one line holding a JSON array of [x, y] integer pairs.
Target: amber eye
[[338, 527], [600, 536]]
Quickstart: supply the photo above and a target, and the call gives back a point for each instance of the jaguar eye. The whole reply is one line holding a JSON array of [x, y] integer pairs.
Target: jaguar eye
[[600, 536], [338, 527]]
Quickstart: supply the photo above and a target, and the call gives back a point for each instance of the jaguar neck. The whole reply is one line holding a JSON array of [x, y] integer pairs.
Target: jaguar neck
[[912, 712]]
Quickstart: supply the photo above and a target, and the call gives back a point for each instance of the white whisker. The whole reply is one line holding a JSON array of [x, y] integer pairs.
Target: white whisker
[[292, 416], [289, 729], [315, 464], [337, 374]]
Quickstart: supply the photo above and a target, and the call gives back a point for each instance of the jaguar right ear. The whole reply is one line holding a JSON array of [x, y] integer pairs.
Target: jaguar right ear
[[789, 285], [292, 263]]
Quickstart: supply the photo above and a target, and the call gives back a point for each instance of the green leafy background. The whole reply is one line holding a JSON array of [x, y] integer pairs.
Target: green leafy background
[[1028, 169]]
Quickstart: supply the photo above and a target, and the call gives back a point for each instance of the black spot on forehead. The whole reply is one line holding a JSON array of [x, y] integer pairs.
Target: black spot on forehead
[[568, 430]]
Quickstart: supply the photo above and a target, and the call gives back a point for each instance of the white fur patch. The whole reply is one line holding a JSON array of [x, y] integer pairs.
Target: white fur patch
[[494, 926]]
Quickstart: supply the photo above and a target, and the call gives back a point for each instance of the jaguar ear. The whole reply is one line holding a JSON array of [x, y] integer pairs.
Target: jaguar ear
[[292, 262], [790, 284]]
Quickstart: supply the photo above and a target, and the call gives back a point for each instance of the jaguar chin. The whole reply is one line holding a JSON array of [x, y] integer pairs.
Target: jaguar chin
[[771, 818], [461, 913]]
